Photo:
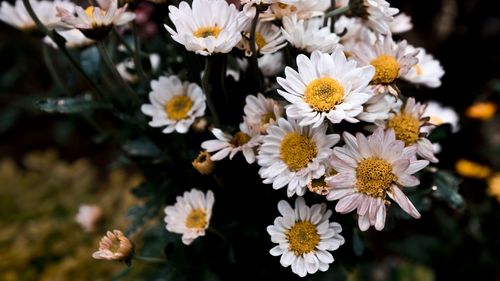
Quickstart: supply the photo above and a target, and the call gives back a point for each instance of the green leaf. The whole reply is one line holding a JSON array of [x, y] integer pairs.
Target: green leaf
[[69, 105], [358, 245], [440, 133], [141, 147], [446, 185], [91, 62]]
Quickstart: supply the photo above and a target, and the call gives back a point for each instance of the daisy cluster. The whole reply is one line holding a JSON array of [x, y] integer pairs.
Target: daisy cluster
[[331, 117]]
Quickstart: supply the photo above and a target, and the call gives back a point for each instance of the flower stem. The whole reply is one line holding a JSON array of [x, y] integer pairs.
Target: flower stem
[[150, 259], [61, 45], [254, 64], [207, 89], [52, 71], [217, 233], [137, 55], [111, 66], [338, 12]]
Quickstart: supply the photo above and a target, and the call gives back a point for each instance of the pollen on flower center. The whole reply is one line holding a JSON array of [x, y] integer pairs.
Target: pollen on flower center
[[204, 32], [406, 128], [177, 108], [323, 94], [196, 219], [386, 69], [89, 11], [297, 151], [260, 41], [240, 139], [302, 238], [374, 176]]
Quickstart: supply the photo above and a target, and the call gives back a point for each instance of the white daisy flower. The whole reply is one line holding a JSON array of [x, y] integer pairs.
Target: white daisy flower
[[326, 86], [268, 39], [74, 39], [250, 6], [246, 140], [305, 237], [378, 107], [408, 124], [208, 27], [391, 61], [354, 32], [376, 14], [261, 112], [17, 16], [293, 155], [96, 22], [369, 169], [428, 71], [402, 23], [174, 104], [88, 217], [270, 65], [440, 115], [190, 216], [309, 35], [304, 9]]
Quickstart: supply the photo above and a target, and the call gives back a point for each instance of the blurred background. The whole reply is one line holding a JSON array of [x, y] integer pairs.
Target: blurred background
[[51, 164]]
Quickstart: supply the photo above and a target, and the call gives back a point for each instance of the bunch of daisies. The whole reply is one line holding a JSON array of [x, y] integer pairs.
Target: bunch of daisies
[[315, 71]]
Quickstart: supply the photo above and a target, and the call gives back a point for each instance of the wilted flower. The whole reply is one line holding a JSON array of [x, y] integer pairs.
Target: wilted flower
[[203, 163], [115, 246]]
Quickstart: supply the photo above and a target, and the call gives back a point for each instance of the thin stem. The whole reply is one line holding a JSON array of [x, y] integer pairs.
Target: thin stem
[[122, 40], [150, 259], [137, 55], [52, 70], [217, 233], [333, 5], [207, 88], [338, 12], [254, 64], [61, 45], [111, 66]]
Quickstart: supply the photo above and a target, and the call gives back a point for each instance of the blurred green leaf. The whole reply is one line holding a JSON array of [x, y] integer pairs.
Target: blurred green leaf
[[440, 133], [69, 105], [91, 62], [358, 245], [447, 189], [141, 147], [7, 118]]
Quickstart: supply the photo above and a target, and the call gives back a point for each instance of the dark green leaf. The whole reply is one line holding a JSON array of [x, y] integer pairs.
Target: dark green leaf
[[358, 245], [141, 147], [69, 105], [440, 133], [446, 185], [91, 62]]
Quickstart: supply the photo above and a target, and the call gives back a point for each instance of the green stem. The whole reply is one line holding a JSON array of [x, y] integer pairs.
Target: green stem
[[254, 64], [137, 55], [333, 5], [122, 40], [62, 47], [150, 259], [207, 88], [338, 12], [111, 66], [217, 233], [52, 70]]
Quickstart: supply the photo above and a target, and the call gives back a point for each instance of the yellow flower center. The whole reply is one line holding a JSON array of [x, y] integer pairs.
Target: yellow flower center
[[260, 41], [323, 94], [89, 11], [407, 128], [386, 69], [467, 168], [297, 151], [177, 108], [482, 110], [418, 69], [115, 245], [240, 139], [374, 176], [204, 32], [196, 219], [302, 238]]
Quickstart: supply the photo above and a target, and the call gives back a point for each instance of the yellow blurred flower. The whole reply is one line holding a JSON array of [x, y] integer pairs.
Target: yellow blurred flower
[[494, 186], [481, 110], [470, 169]]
